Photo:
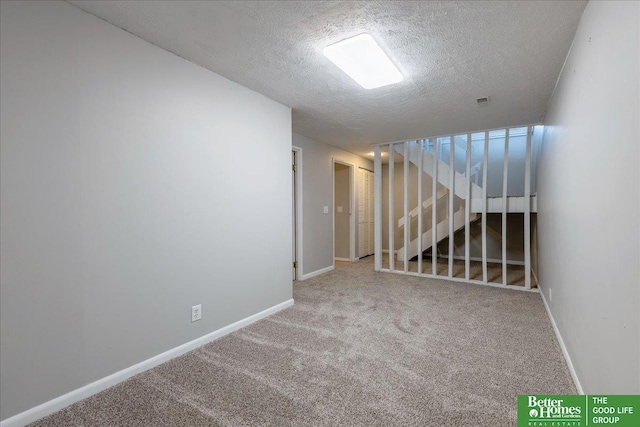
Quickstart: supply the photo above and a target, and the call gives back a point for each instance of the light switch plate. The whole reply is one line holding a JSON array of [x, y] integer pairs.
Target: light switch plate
[[325, 209]]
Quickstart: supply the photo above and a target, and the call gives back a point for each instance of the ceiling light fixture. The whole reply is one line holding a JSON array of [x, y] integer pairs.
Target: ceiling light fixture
[[362, 59]]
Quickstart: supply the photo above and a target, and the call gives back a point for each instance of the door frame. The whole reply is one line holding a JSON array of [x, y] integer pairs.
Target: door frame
[[367, 170], [352, 208], [298, 208]]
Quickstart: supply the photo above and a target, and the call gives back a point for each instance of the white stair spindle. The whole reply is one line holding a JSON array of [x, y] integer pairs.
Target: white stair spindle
[[452, 183], [505, 174], [467, 213], [527, 212], [392, 227], [420, 171], [434, 211], [485, 166], [377, 176], [407, 221]]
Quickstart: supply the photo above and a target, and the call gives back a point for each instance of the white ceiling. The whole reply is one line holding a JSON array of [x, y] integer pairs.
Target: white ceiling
[[449, 52]]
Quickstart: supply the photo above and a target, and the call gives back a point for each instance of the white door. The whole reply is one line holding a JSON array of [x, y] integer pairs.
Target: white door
[[365, 213]]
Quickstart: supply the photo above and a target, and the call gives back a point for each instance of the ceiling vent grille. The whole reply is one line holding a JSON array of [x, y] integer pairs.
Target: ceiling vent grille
[[483, 100]]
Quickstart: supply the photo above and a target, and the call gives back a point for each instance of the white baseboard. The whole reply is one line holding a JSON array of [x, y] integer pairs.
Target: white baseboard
[[342, 259], [312, 274], [88, 390], [572, 370]]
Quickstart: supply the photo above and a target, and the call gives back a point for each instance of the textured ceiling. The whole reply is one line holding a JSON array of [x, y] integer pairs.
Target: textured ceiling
[[449, 52]]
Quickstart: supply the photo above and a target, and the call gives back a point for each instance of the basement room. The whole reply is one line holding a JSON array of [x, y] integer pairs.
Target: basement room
[[319, 213]]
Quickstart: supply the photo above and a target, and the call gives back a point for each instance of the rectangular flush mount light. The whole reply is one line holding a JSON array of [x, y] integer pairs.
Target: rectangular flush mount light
[[364, 61]]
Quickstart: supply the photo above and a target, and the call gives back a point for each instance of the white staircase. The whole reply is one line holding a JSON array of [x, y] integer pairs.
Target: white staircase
[[467, 171], [442, 230], [515, 204], [443, 171], [442, 194]]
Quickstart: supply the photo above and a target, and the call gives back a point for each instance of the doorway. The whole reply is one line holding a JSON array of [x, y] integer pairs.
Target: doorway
[[343, 212], [296, 212], [366, 240]]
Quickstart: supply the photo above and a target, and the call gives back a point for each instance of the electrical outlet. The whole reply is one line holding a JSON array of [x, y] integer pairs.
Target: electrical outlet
[[196, 313]]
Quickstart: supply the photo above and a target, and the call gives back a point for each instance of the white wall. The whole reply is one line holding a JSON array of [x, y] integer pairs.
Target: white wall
[[134, 184], [588, 206], [317, 186]]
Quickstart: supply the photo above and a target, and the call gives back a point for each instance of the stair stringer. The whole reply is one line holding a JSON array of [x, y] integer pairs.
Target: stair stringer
[[442, 233], [460, 181]]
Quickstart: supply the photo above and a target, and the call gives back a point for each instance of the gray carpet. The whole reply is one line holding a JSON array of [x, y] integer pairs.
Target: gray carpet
[[358, 349]]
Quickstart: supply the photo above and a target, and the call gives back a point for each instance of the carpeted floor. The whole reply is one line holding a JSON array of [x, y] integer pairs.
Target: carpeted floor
[[358, 348]]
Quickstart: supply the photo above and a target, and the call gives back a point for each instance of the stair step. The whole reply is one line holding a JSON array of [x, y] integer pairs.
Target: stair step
[[442, 233], [443, 170], [515, 204]]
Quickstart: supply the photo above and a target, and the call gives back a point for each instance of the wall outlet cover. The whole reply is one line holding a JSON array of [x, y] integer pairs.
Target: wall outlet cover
[[196, 313]]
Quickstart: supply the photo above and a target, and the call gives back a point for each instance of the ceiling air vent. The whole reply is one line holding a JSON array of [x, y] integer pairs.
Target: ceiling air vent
[[482, 101]]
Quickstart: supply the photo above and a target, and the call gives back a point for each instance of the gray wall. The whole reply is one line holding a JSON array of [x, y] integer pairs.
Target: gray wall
[[588, 211], [117, 213], [341, 195], [317, 186]]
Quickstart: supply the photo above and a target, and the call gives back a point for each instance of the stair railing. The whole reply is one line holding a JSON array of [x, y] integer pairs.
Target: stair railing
[[453, 184]]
